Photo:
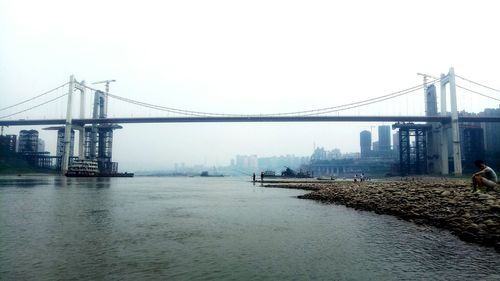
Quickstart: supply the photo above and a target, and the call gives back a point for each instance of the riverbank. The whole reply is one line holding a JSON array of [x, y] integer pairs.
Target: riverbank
[[444, 203]]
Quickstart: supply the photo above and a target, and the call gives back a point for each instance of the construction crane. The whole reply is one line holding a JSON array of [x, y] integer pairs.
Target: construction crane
[[107, 91]]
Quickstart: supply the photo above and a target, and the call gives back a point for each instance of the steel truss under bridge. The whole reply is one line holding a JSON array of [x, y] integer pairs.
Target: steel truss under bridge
[[412, 148]]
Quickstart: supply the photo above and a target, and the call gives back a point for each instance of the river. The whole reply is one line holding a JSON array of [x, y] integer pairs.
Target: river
[[159, 228]]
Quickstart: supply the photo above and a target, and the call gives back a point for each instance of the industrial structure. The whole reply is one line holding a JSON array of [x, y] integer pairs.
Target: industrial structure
[[412, 148]]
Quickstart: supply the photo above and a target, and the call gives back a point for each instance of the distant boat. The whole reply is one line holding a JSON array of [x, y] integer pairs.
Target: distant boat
[[83, 168], [206, 174], [89, 169]]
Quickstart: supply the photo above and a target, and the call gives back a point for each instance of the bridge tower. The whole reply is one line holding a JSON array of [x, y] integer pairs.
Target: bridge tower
[[67, 128], [457, 155], [81, 129]]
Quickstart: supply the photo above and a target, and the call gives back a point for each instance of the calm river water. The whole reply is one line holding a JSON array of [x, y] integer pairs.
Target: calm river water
[[151, 228]]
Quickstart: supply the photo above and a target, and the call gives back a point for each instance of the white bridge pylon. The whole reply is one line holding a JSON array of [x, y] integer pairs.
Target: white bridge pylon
[[80, 86], [455, 132]]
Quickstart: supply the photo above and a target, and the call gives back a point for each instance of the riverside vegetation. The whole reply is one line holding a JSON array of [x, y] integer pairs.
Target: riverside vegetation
[[444, 203]]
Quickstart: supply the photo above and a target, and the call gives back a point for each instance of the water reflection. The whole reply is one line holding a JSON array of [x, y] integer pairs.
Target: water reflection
[[100, 182], [24, 181]]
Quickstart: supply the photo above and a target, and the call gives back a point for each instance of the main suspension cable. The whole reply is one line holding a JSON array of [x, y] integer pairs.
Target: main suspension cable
[[30, 99], [477, 93], [305, 113], [33, 107], [479, 84]]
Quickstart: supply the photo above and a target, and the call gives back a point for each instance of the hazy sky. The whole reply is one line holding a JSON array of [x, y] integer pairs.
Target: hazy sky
[[242, 57]]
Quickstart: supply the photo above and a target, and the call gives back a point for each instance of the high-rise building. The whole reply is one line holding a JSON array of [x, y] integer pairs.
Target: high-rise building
[[395, 142], [431, 101], [384, 138], [28, 141], [433, 134], [365, 142]]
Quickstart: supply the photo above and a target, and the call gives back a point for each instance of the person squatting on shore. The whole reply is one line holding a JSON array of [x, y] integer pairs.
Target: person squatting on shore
[[485, 177]]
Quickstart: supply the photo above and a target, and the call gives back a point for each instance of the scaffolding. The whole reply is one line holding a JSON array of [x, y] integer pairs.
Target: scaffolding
[[412, 148]]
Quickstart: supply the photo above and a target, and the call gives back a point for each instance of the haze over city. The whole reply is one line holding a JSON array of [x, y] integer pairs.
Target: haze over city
[[249, 140], [245, 58]]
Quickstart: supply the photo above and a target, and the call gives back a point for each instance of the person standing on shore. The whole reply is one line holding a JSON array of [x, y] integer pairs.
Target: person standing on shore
[[253, 177], [486, 176], [261, 177]]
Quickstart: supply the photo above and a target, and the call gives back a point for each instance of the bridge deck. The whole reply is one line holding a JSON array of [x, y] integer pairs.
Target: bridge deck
[[250, 119]]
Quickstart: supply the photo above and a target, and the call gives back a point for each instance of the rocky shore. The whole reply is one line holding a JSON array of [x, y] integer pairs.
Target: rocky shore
[[444, 203]]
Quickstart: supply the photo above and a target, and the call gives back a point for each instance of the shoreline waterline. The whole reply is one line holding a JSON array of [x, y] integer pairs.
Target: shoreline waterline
[[444, 203]]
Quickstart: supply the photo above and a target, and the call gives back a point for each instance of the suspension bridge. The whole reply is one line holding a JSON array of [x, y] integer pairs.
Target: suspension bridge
[[440, 121]]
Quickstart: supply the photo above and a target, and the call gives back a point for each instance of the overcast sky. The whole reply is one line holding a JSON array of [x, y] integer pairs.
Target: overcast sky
[[242, 57]]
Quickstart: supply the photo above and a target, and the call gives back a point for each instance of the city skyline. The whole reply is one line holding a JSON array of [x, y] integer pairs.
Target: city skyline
[[56, 151]]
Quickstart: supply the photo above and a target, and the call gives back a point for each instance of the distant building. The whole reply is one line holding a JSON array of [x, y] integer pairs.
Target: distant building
[[41, 145], [319, 154], [395, 142], [8, 143], [253, 162], [28, 141], [246, 162], [365, 142], [334, 154], [431, 101], [384, 138], [278, 163]]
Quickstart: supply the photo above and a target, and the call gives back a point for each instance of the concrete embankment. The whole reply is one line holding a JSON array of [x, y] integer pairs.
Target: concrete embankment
[[447, 204]]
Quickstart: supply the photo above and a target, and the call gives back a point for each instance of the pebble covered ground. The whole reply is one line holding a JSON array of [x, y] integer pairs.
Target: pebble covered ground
[[444, 203]]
